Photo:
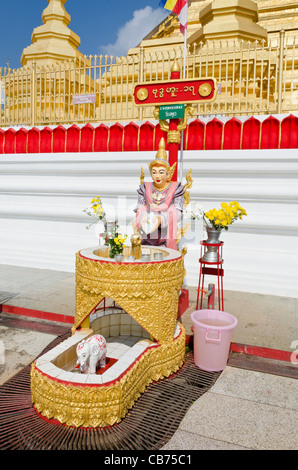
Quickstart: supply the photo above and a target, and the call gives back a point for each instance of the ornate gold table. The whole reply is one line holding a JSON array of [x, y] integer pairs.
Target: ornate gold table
[[148, 292]]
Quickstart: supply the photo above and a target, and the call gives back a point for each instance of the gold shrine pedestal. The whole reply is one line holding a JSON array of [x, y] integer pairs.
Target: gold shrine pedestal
[[148, 294]]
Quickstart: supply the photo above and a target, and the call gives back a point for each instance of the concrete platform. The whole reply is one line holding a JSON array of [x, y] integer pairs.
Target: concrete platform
[[245, 409]]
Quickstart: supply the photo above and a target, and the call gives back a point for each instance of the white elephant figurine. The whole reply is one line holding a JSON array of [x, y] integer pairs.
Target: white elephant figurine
[[90, 352]]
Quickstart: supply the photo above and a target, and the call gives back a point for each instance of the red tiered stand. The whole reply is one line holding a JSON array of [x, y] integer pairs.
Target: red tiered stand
[[211, 268]]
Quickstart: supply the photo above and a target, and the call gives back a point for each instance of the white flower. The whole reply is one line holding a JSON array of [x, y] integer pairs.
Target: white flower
[[194, 210]]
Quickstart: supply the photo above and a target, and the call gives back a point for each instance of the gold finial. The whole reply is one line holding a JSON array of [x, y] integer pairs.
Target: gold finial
[[176, 66], [161, 159], [161, 153]]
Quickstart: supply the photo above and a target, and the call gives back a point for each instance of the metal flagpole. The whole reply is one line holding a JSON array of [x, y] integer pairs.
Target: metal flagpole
[[182, 133]]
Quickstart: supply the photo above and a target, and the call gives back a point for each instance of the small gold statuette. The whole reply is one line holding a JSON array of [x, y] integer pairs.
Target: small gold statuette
[[142, 94], [136, 241], [205, 89]]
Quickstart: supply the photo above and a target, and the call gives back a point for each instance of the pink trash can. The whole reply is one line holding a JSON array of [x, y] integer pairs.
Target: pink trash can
[[213, 331]]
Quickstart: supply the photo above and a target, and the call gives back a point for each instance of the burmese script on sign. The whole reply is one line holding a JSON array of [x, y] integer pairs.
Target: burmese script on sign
[[175, 91]]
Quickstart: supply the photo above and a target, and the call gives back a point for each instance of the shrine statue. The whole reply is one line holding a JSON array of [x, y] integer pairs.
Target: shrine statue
[[160, 204]]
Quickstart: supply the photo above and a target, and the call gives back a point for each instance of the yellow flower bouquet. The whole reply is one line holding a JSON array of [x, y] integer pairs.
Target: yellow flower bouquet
[[97, 211], [225, 216], [115, 240]]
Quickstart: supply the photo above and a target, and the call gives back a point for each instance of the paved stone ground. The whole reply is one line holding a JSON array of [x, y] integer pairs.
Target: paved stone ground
[[18, 348]]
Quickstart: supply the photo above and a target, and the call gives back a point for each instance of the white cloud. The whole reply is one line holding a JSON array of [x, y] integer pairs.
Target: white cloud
[[131, 34]]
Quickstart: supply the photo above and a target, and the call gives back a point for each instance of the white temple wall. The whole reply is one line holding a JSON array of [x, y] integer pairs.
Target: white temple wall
[[42, 197]]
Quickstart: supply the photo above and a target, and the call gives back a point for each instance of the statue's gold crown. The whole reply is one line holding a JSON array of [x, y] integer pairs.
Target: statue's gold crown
[[161, 153], [161, 159]]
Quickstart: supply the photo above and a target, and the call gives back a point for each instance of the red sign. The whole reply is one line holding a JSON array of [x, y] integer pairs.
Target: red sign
[[175, 91]]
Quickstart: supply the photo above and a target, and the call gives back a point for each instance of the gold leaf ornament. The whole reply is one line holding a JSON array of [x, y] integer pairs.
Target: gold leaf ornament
[[205, 89], [142, 94]]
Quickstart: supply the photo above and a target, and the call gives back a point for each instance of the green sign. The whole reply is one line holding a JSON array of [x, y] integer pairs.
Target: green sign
[[173, 111]]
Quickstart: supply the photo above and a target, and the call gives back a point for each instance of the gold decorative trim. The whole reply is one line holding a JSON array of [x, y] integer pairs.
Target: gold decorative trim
[[205, 89], [174, 137], [187, 186], [279, 135], [104, 405], [142, 94], [108, 140], [138, 138], [142, 177]]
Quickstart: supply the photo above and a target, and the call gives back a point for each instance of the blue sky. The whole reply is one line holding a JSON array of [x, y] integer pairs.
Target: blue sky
[[103, 26]]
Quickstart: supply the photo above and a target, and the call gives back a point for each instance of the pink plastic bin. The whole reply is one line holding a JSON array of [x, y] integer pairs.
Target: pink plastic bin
[[213, 331]]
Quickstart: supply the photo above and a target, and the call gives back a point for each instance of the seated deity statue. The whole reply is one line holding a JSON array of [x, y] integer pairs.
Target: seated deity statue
[[160, 204]]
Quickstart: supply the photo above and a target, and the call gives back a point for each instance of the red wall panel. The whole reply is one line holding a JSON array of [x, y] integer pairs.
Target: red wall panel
[[159, 133], [73, 136], [46, 140], [146, 137], [101, 138], [1, 141], [214, 135], [21, 140], [232, 134], [87, 138], [289, 132], [10, 141], [251, 133], [33, 143], [270, 134], [131, 137], [59, 139], [195, 137], [116, 138]]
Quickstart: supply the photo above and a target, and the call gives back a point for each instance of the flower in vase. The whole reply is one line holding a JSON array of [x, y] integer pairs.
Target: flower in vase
[[97, 211], [115, 240], [225, 216]]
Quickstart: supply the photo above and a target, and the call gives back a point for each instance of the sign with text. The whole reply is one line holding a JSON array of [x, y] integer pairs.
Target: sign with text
[[174, 111], [82, 99], [175, 91]]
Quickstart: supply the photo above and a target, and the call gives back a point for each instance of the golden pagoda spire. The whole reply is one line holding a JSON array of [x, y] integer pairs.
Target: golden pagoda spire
[[229, 20], [52, 41]]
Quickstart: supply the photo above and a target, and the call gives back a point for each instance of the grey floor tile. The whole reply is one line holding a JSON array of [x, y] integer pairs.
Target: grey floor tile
[[270, 389], [242, 422]]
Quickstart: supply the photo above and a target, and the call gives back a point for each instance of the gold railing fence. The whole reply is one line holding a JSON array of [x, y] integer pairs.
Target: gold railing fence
[[253, 78]]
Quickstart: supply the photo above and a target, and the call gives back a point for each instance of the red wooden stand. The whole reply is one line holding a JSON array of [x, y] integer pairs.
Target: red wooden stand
[[213, 269]]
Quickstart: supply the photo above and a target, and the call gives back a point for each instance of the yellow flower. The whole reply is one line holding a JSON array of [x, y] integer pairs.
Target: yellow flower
[[234, 205], [210, 214], [121, 238]]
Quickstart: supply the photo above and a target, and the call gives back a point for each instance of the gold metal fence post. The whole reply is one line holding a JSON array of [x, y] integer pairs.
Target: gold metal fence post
[[33, 93], [280, 71], [141, 77]]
